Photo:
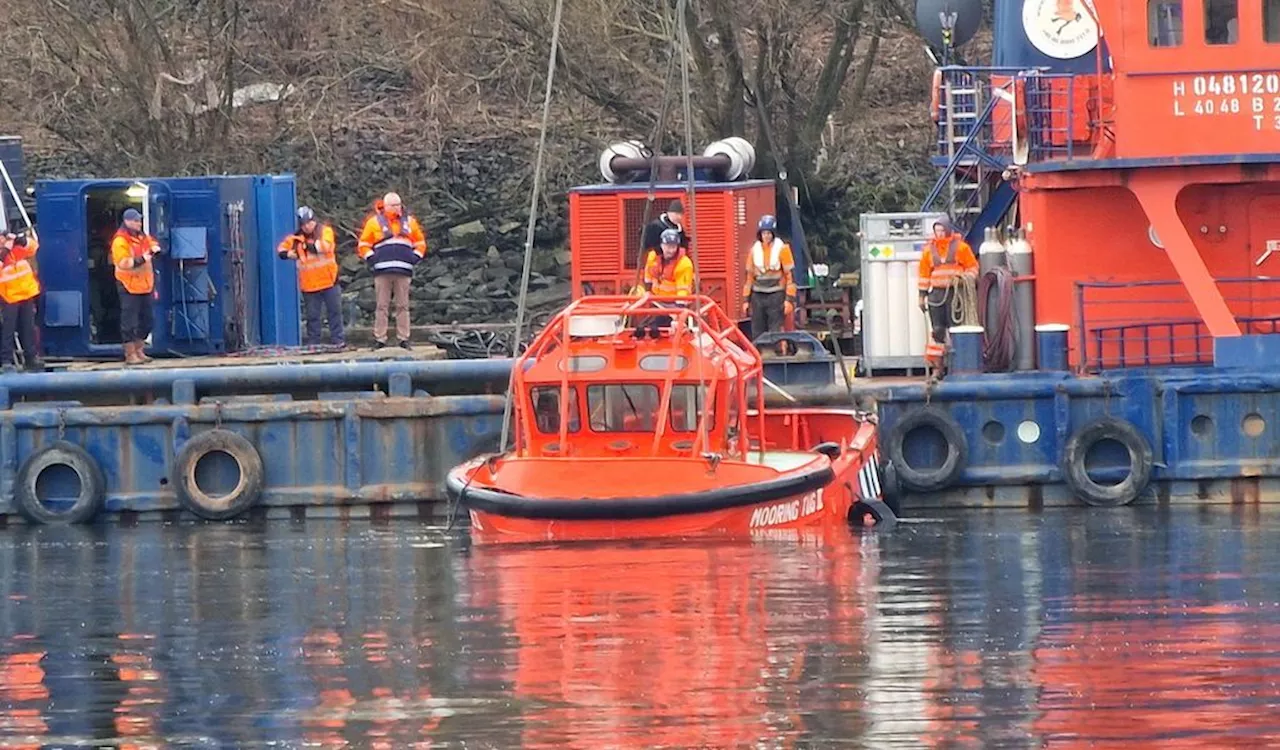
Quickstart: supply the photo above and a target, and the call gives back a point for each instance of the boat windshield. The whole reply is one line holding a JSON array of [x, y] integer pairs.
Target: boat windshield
[[633, 407]]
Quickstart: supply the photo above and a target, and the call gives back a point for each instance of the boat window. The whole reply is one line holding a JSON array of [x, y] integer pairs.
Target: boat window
[[586, 363], [630, 407], [546, 409], [1271, 21], [1220, 21], [687, 402], [662, 362], [1164, 22]]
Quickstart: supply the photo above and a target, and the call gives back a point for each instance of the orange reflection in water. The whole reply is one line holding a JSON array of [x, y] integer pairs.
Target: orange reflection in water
[[23, 697], [1160, 674], [673, 645]]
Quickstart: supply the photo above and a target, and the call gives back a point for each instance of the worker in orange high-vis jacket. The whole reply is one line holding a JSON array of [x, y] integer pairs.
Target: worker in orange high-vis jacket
[[392, 243], [946, 260], [314, 248], [769, 293], [668, 273], [131, 254], [19, 288]]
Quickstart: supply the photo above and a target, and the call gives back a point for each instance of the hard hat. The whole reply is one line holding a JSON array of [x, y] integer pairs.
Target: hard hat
[[670, 237], [305, 214], [768, 223]]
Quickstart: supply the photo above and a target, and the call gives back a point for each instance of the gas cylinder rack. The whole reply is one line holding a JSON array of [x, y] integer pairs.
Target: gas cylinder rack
[[894, 330]]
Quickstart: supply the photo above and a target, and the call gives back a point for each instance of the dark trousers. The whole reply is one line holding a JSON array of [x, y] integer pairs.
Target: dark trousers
[[19, 318], [319, 304], [135, 315], [767, 310], [940, 301]]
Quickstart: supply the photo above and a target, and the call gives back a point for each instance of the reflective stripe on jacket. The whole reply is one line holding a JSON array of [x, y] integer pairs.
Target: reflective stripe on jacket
[[319, 270], [392, 245], [18, 281], [673, 278], [125, 244]]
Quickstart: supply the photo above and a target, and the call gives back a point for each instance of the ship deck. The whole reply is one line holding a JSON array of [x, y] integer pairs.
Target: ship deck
[[272, 356]]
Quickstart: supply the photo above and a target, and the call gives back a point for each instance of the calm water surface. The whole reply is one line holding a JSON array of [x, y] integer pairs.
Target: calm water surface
[[1067, 629]]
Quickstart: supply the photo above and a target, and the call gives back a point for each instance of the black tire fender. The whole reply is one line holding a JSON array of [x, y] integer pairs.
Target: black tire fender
[[1141, 461], [957, 449], [93, 485], [222, 507]]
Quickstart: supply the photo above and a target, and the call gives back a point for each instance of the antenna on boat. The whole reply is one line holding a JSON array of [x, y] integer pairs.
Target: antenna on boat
[[533, 220]]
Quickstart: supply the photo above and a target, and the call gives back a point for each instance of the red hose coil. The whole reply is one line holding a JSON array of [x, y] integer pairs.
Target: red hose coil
[[999, 341]]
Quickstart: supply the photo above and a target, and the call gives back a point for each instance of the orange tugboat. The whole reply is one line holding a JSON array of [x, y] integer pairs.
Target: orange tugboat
[[676, 440]]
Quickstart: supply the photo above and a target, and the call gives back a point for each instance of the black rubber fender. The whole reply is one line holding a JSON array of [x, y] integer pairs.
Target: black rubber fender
[[93, 485], [1077, 448], [247, 491], [957, 449]]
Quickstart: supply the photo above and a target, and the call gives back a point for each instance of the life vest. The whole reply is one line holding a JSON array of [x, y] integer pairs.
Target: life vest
[[944, 269], [319, 270], [769, 273], [125, 244], [18, 281], [394, 252], [673, 278]]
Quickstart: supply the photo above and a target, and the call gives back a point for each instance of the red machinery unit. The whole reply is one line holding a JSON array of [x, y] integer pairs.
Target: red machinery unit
[[606, 220]]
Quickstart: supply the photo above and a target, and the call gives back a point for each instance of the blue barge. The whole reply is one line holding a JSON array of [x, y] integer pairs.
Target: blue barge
[[214, 428], [1125, 342], [350, 438]]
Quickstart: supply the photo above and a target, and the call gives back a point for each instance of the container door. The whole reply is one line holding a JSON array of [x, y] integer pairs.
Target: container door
[[155, 222], [1264, 243]]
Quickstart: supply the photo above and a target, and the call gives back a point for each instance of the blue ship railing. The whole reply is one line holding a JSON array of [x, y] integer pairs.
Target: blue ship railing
[[1174, 334]]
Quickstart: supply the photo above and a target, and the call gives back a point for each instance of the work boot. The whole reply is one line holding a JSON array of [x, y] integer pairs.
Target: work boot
[[406, 346], [129, 357], [139, 352]]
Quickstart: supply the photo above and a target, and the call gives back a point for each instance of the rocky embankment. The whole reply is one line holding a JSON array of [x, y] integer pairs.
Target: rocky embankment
[[475, 278]]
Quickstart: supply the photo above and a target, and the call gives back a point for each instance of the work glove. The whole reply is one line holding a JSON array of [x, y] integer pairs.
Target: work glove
[[283, 254], [20, 239], [311, 248], [924, 304]]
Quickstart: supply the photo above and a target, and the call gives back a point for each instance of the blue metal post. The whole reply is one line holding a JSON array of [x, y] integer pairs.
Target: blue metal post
[[1051, 346], [966, 349]]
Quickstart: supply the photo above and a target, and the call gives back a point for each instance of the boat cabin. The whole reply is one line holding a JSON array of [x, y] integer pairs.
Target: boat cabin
[[598, 382]]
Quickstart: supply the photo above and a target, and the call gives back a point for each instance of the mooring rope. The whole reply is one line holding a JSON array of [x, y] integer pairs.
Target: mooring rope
[[533, 220]]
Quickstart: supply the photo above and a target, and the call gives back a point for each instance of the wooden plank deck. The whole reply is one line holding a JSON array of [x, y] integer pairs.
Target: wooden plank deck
[[267, 357]]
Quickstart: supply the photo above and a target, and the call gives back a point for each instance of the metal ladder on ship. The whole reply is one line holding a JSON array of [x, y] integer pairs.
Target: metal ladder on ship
[[963, 107]]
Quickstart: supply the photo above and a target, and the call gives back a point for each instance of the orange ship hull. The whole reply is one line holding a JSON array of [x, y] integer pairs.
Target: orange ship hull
[[526, 499]]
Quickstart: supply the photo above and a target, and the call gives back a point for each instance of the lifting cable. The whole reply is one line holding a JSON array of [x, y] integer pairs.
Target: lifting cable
[[683, 31], [655, 150], [533, 219]]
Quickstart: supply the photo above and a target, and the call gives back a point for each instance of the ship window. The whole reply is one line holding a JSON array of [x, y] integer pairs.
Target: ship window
[[546, 409], [1271, 21], [661, 362], [632, 407], [1220, 21], [586, 363], [686, 407], [1164, 22]]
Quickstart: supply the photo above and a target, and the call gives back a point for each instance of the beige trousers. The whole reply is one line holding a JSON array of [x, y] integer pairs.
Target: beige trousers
[[389, 288]]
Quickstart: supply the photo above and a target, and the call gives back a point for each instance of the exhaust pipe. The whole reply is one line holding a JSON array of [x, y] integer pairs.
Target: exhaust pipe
[[728, 159]]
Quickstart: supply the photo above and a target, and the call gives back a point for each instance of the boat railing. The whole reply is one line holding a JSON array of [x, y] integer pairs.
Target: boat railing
[[1135, 324], [994, 112]]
